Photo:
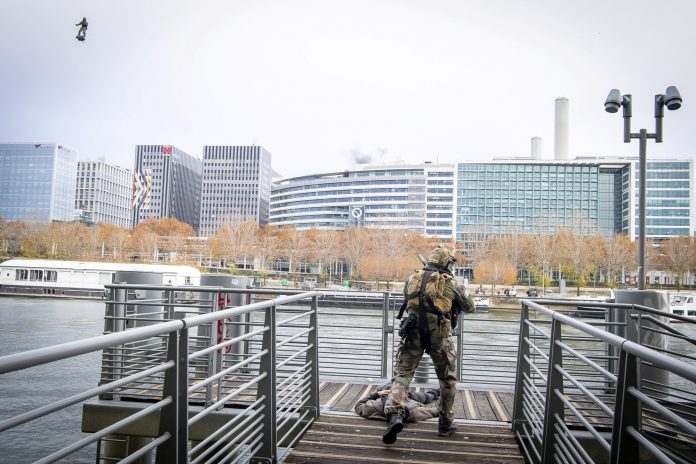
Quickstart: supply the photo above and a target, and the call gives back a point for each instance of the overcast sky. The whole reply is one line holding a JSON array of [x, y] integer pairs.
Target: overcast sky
[[315, 82]]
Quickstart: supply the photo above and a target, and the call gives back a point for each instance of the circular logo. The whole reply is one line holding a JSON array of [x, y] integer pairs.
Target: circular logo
[[356, 213]]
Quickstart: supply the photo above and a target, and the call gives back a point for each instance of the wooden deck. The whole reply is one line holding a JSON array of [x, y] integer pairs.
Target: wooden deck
[[468, 404], [341, 437]]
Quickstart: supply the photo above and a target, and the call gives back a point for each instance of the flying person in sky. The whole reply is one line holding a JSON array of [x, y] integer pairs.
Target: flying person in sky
[[83, 29]]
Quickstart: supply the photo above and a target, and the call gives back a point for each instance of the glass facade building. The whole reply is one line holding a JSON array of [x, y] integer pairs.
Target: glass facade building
[[476, 200], [166, 183], [37, 182], [236, 186], [669, 206], [418, 198], [537, 197]]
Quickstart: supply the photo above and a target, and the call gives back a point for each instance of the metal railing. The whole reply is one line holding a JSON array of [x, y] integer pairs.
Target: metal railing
[[584, 394], [243, 397]]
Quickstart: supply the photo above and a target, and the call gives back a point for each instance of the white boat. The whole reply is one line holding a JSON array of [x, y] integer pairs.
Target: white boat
[[483, 304], [75, 279], [683, 304]]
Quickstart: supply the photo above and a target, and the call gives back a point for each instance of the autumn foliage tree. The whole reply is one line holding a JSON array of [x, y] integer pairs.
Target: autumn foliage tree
[[494, 272]]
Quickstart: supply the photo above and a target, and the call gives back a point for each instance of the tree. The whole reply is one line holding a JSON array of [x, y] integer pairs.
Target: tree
[[540, 250], [678, 255], [494, 272], [267, 244], [293, 245], [356, 242], [234, 242], [326, 245], [616, 254], [578, 254]]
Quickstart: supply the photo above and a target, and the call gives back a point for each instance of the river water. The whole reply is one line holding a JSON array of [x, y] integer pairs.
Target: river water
[[30, 323]]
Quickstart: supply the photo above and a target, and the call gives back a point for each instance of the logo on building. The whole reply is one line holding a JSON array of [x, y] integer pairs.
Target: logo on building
[[141, 189], [166, 150], [356, 215]]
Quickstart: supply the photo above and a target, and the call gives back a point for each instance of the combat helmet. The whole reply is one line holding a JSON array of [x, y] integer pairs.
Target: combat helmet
[[442, 257]]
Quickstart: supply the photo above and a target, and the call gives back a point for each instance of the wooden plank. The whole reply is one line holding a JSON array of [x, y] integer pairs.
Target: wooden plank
[[507, 400], [500, 412], [471, 412], [484, 406], [330, 402], [459, 411], [328, 391], [351, 396]]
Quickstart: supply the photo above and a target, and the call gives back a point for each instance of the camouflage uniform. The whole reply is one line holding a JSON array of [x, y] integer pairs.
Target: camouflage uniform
[[372, 407], [441, 350]]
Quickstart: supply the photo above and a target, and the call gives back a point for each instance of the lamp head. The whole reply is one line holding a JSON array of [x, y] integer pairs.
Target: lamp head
[[613, 101], [672, 99]]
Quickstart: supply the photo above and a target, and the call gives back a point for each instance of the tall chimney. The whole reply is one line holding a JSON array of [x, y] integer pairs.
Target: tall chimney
[[560, 141], [536, 148]]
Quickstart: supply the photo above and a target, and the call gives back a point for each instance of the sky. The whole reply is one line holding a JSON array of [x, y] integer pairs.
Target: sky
[[323, 83]]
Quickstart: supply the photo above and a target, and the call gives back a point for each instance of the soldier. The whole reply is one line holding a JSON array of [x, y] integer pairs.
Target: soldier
[[372, 406], [433, 303], [83, 29]]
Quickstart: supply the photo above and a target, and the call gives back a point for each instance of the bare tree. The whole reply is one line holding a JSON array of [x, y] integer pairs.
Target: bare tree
[[356, 242], [678, 257], [578, 253], [616, 254]]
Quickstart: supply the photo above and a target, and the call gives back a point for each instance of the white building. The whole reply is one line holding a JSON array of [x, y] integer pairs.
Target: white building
[[104, 193], [408, 197]]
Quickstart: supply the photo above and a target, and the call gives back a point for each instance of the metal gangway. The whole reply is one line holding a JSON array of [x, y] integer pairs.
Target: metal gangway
[[214, 374]]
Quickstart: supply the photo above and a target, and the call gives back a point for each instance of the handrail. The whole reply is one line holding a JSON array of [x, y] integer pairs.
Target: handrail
[[571, 402], [157, 359]]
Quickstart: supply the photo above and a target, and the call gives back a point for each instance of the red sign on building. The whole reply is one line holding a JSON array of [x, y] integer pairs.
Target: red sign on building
[[166, 150]]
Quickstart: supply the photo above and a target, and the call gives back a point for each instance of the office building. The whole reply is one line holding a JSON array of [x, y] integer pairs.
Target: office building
[[236, 186], [104, 193], [166, 183], [408, 197], [37, 182], [477, 200]]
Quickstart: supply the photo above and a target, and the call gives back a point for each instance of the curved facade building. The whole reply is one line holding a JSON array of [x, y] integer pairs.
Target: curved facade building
[[408, 197]]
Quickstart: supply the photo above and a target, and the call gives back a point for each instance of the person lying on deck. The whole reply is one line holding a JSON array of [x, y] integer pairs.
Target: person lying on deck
[[372, 406]]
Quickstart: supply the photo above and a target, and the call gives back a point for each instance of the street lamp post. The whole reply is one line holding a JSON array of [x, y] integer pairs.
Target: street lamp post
[[673, 101]]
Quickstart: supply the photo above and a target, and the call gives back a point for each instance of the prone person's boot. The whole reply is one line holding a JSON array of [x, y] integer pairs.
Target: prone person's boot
[[446, 428], [395, 424], [432, 395]]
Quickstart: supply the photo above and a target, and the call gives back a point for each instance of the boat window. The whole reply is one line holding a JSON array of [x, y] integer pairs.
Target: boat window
[[690, 300], [50, 276], [22, 274], [36, 275]]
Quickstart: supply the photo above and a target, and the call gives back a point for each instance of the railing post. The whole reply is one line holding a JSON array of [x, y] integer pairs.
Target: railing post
[[387, 328], [460, 346], [313, 357], [213, 356], [170, 298], [624, 448], [174, 417], [522, 368], [267, 390], [554, 405]]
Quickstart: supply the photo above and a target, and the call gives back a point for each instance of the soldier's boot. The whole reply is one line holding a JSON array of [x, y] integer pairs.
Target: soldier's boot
[[395, 425], [446, 428]]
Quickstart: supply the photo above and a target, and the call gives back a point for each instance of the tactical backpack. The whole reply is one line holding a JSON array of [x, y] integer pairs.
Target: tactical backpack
[[433, 290]]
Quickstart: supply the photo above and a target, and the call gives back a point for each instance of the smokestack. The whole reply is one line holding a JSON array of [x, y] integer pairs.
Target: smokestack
[[536, 148], [560, 142]]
